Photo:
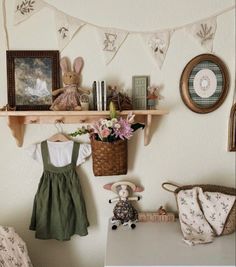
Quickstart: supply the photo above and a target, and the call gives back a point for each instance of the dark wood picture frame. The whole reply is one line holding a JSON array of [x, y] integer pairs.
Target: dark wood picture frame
[[31, 78], [232, 129], [190, 98]]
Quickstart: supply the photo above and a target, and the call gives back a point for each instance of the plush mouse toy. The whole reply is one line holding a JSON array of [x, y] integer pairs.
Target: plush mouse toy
[[70, 94], [124, 212]]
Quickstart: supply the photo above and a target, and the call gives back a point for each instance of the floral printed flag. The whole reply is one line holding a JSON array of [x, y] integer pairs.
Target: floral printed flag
[[204, 32], [158, 44], [26, 8], [66, 27], [110, 40]]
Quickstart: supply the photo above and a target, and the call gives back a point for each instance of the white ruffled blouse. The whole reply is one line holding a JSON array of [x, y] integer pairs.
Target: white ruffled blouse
[[60, 152]]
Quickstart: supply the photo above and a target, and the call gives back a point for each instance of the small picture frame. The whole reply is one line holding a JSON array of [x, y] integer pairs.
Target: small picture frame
[[31, 78], [139, 92], [204, 83]]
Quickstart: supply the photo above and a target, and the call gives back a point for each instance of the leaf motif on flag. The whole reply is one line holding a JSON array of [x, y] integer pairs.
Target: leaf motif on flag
[[205, 33], [66, 28], [63, 31], [25, 7]]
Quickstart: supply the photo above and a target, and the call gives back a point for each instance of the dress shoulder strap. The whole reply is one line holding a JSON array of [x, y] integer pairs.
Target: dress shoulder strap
[[75, 153], [45, 153]]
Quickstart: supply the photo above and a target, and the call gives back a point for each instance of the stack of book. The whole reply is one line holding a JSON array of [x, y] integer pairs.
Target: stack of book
[[99, 95]]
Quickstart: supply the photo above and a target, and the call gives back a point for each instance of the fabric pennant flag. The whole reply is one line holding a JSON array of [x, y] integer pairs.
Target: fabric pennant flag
[[158, 44], [66, 27], [111, 40], [204, 32], [26, 8]]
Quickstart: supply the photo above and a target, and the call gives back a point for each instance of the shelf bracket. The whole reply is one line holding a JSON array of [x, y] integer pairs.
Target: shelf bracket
[[16, 124], [147, 129]]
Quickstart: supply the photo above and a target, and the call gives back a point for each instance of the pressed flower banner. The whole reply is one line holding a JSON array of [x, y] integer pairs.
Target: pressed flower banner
[[110, 39], [158, 44]]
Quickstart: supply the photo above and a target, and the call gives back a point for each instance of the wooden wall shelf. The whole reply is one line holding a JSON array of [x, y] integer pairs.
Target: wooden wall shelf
[[18, 119]]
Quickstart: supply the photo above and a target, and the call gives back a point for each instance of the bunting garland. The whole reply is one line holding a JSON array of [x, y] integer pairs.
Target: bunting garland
[[111, 39]]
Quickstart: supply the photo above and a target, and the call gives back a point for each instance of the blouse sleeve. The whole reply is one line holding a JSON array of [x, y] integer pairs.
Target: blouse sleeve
[[34, 151], [84, 152]]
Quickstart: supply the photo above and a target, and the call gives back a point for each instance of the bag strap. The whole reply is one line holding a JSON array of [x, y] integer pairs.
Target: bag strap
[[171, 187]]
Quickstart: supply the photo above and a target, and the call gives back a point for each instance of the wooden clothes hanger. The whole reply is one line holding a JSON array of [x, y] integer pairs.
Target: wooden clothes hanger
[[59, 136]]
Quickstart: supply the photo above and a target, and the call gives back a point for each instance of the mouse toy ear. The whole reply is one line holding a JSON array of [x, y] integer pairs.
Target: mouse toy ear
[[139, 189], [65, 65], [78, 64], [108, 186]]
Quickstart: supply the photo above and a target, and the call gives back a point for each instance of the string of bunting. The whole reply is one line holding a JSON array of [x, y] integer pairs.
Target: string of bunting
[[111, 39]]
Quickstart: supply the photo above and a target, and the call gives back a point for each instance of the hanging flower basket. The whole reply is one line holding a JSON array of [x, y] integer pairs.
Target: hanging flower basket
[[109, 158], [109, 140]]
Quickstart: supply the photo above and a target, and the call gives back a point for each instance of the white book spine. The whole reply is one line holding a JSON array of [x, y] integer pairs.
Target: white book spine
[[105, 95], [98, 96]]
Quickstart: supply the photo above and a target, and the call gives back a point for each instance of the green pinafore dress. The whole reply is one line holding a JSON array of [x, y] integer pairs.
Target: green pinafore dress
[[59, 209]]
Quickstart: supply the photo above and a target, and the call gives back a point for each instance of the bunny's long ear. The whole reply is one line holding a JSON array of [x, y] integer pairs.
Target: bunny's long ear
[[108, 186], [65, 65], [139, 189], [78, 64]]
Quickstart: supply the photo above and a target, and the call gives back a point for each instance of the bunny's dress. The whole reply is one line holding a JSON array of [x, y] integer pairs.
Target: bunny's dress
[[68, 100], [59, 209]]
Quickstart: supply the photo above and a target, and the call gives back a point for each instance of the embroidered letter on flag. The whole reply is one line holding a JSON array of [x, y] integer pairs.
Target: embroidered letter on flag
[[111, 40]]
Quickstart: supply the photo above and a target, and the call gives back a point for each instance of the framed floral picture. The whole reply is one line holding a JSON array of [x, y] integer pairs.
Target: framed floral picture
[[31, 78], [204, 83]]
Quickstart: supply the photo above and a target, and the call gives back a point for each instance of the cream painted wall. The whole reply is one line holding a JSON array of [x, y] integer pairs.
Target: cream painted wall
[[185, 147]]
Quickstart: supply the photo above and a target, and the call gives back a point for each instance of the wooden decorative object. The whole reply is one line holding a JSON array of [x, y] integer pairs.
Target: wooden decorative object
[[109, 158], [232, 129], [69, 117], [31, 78], [139, 91], [156, 217], [204, 83]]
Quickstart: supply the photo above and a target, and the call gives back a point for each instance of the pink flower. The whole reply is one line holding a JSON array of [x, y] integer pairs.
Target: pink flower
[[105, 132], [125, 130]]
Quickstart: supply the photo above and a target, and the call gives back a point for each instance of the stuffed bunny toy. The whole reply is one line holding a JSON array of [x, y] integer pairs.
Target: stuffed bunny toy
[[70, 94], [124, 212]]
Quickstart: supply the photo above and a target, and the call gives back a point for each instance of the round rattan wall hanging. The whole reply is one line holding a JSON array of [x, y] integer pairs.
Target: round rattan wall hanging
[[204, 83]]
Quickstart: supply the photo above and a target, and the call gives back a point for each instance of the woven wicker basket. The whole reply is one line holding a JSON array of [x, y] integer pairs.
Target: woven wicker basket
[[230, 224], [109, 158]]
